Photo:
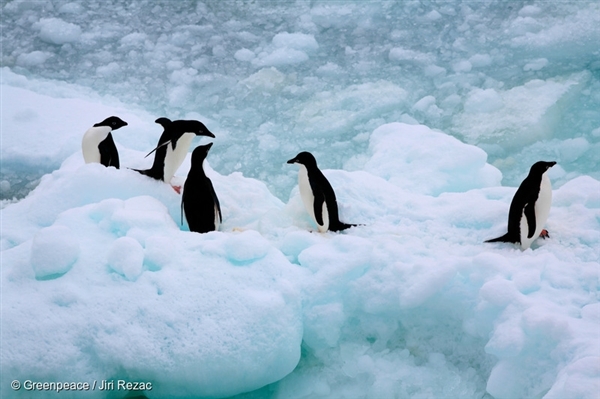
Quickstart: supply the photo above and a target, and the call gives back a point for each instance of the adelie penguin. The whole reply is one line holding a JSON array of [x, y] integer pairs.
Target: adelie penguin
[[317, 194], [529, 208], [173, 146], [199, 202], [98, 145]]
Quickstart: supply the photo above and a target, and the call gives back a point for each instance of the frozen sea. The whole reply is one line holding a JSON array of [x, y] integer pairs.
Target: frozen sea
[[424, 115]]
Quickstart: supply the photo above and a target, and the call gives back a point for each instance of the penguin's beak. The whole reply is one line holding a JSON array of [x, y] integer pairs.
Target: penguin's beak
[[208, 146], [293, 160], [206, 133]]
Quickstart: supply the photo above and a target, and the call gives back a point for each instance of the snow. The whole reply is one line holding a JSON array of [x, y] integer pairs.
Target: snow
[[424, 118]]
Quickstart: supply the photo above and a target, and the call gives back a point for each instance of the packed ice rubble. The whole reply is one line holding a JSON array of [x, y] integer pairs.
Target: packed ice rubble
[[519, 78]]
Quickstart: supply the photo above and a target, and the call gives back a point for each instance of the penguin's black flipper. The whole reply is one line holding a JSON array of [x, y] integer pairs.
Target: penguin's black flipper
[[530, 215], [216, 199], [108, 152], [318, 207], [159, 146]]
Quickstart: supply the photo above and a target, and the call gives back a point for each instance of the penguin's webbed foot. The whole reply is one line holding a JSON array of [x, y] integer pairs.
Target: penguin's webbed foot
[[544, 234], [177, 189]]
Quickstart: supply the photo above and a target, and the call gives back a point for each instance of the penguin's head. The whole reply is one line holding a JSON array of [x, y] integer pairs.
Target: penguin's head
[[539, 168], [197, 128], [304, 158], [114, 122], [199, 154]]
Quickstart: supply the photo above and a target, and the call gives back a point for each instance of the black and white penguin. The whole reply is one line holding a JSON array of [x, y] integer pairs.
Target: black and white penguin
[[173, 146], [530, 207], [199, 202], [98, 144], [317, 194]]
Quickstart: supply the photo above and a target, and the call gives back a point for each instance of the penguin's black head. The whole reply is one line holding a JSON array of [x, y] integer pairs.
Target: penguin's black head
[[539, 168], [199, 154], [114, 122], [164, 122], [196, 127], [304, 158]]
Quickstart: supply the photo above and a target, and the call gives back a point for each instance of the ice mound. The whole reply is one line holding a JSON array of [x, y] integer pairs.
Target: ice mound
[[407, 156], [214, 314]]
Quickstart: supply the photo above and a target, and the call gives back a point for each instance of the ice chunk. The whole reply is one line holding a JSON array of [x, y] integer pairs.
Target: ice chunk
[[58, 31], [34, 58], [520, 115], [298, 41], [480, 60], [246, 247], [126, 257], [281, 57], [577, 380], [244, 55], [483, 101], [54, 250], [536, 65], [266, 79], [402, 55]]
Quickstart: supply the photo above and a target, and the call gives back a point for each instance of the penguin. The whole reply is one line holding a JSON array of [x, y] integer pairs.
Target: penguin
[[199, 202], [529, 208], [98, 144], [173, 146], [317, 194]]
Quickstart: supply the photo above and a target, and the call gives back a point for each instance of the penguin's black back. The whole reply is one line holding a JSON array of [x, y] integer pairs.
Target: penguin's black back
[[199, 200]]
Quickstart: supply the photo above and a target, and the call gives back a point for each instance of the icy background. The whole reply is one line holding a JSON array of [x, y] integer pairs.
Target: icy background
[[425, 117]]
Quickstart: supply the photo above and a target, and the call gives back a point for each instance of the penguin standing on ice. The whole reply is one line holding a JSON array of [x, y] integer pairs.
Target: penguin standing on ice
[[529, 208], [173, 146], [317, 194], [199, 202], [98, 145]]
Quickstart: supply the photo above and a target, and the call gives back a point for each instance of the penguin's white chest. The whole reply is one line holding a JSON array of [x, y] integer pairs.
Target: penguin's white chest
[[91, 139], [174, 158], [542, 210], [308, 199]]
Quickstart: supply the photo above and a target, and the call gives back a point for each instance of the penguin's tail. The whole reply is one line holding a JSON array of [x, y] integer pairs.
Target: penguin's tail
[[343, 226], [144, 172], [148, 172], [505, 238]]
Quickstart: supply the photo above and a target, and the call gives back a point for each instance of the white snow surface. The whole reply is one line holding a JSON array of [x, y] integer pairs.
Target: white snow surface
[[100, 281], [424, 116]]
